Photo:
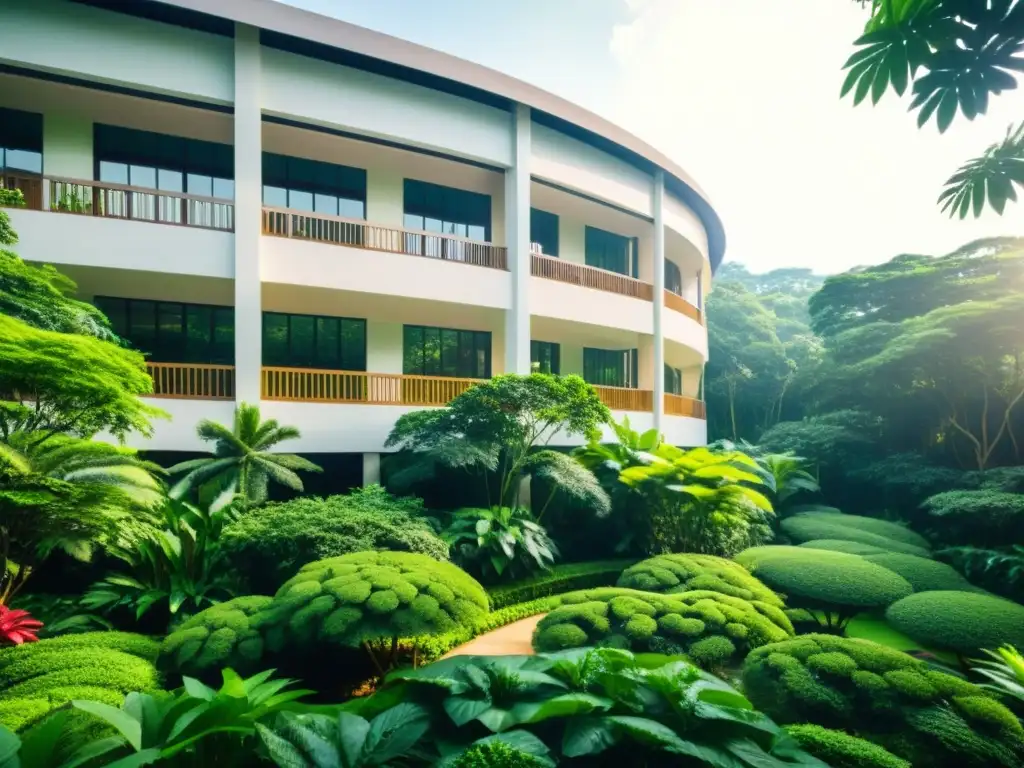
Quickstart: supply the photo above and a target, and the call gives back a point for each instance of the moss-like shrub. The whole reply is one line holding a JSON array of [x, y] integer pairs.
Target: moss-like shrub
[[709, 627], [684, 573], [835, 583], [924, 574], [841, 545], [39, 677], [841, 750], [963, 622], [495, 754], [558, 580], [267, 545], [224, 635], [892, 537], [924, 716]]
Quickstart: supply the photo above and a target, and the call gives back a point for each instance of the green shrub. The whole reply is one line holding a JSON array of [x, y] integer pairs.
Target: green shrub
[[558, 580], [224, 635], [683, 573], [963, 622], [924, 574], [495, 754], [269, 544], [709, 627], [835, 583], [842, 545], [981, 518], [892, 537], [885, 696], [841, 750], [127, 642]]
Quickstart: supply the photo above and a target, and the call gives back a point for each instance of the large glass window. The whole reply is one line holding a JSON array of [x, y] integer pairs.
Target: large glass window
[[545, 357], [610, 367], [447, 210], [446, 352], [312, 341], [673, 278], [164, 162], [21, 141], [673, 380], [172, 331], [544, 231], [616, 253], [313, 186]]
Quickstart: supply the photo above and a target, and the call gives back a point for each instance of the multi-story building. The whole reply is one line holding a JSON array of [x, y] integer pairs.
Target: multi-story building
[[343, 226]]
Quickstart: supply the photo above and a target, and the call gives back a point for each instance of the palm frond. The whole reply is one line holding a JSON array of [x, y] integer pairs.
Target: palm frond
[[991, 178], [279, 474]]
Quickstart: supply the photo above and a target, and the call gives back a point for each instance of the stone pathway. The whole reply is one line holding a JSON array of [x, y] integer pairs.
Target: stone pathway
[[511, 640]]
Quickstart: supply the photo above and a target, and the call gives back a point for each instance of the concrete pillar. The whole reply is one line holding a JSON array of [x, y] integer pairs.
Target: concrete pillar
[[659, 300], [646, 373], [67, 146], [383, 346], [248, 205], [517, 238], [371, 469], [385, 203]]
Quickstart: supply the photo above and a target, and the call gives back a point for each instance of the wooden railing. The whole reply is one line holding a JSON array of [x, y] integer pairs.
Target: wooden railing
[[563, 271], [625, 399], [118, 201], [318, 386], [680, 405], [677, 303], [31, 188], [335, 230], [200, 382]]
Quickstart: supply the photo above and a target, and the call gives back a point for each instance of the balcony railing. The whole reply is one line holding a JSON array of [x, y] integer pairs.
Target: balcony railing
[[355, 233], [677, 303], [318, 386], [198, 382], [552, 268], [626, 399], [680, 405], [31, 188]]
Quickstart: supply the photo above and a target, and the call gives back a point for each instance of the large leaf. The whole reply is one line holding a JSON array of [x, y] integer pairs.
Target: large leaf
[[394, 732], [118, 719]]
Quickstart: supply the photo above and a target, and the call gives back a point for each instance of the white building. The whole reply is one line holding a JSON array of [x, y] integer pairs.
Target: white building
[[281, 207]]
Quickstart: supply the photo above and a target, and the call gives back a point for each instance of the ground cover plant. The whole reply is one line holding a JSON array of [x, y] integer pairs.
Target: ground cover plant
[[961, 622]]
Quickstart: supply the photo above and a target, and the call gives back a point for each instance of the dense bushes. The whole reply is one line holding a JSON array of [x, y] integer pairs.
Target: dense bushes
[[558, 580], [684, 573], [842, 545], [269, 544], [963, 622], [923, 573], [841, 750], [892, 537], [838, 584], [225, 635], [981, 518], [709, 627], [922, 715]]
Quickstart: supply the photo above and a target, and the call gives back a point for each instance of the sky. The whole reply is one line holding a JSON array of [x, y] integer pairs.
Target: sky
[[743, 94]]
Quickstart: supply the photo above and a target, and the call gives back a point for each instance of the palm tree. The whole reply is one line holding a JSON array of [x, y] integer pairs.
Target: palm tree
[[242, 462]]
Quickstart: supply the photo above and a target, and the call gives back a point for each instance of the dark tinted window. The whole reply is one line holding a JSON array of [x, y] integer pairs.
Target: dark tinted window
[[447, 210], [544, 231], [172, 331], [610, 367], [545, 357], [21, 141], [313, 186], [313, 341], [607, 250], [428, 351], [673, 381], [673, 278]]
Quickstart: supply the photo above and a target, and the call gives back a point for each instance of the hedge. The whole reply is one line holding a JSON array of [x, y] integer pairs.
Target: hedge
[[962, 622], [224, 635], [683, 573], [558, 580], [841, 750], [892, 537], [709, 627], [924, 574], [922, 715], [842, 545]]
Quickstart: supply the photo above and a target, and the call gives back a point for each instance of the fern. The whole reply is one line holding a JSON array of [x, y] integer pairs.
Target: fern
[[1001, 570]]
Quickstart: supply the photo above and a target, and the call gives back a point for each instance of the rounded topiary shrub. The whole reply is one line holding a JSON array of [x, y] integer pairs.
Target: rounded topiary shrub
[[962, 622], [267, 545], [711, 628], [835, 583], [927, 717], [224, 635], [892, 537], [841, 750], [684, 573], [841, 545], [37, 678], [924, 574]]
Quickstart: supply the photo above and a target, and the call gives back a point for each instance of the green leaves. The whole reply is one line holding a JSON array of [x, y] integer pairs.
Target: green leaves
[[491, 542], [991, 178]]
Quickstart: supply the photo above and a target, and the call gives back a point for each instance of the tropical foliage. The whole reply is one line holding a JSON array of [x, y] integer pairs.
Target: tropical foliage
[[500, 541]]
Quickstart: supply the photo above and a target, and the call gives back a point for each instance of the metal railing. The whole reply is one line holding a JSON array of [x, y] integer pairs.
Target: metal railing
[[321, 386], [586, 276], [626, 399], [335, 230], [677, 303], [195, 381], [680, 405]]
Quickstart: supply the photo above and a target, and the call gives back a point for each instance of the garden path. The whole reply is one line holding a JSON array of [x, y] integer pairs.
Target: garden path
[[512, 639]]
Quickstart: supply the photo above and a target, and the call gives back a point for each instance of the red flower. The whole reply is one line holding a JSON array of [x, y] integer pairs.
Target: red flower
[[17, 627]]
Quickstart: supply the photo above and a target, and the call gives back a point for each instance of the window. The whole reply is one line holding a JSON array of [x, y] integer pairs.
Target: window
[[174, 332], [313, 186], [673, 278], [312, 341], [610, 367], [168, 163], [544, 357], [21, 141], [446, 210], [606, 250], [446, 352], [673, 381], [544, 231]]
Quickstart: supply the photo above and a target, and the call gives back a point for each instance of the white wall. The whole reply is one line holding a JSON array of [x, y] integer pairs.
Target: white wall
[[178, 433], [684, 221], [384, 346], [67, 146], [562, 301], [685, 330], [91, 43], [384, 197]]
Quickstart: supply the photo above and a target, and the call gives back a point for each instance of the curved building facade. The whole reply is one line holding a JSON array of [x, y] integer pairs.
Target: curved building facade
[[285, 208]]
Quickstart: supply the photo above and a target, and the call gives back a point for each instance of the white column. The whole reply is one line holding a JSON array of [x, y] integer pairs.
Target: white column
[[517, 238], [248, 213], [659, 299], [371, 469]]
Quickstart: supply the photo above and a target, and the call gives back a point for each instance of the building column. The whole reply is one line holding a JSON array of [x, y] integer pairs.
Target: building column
[[517, 238], [248, 214], [371, 469], [659, 300]]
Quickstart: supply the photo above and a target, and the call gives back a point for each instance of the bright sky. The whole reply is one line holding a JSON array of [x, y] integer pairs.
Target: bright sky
[[744, 95]]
